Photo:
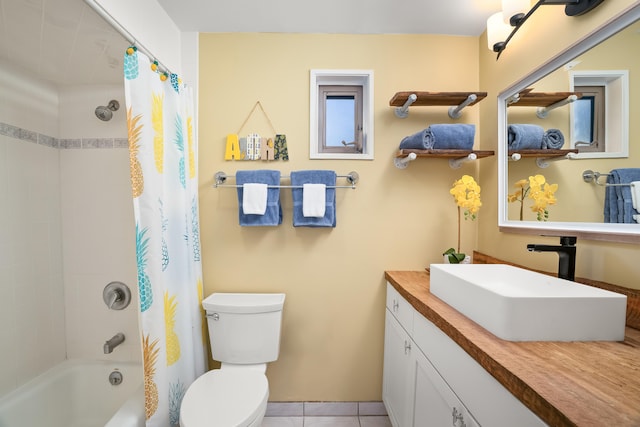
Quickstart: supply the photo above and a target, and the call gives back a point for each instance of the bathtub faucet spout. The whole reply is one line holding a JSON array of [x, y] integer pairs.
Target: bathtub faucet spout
[[115, 341]]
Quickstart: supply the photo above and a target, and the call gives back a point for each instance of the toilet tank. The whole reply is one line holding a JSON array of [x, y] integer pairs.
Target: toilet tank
[[244, 328]]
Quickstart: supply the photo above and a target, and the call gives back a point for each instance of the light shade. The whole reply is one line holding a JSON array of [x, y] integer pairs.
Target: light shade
[[511, 8], [497, 30]]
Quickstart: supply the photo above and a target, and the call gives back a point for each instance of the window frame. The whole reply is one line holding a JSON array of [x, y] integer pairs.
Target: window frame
[[323, 82]]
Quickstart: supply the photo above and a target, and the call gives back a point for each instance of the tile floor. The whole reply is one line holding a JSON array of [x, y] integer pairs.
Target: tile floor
[[326, 414]]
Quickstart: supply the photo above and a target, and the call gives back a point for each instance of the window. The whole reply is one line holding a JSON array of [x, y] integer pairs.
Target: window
[[600, 119], [589, 120], [341, 114]]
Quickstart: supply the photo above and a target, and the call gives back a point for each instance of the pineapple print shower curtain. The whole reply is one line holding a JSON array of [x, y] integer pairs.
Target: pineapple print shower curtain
[[163, 157]]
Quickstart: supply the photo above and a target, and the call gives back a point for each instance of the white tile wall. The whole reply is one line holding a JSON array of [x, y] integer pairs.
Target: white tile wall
[[32, 320], [66, 228], [99, 247]]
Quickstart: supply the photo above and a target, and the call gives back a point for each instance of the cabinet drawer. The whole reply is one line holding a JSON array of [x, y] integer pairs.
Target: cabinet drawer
[[400, 308]]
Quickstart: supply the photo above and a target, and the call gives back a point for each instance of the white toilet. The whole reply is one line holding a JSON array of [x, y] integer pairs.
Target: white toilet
[[244, 330]]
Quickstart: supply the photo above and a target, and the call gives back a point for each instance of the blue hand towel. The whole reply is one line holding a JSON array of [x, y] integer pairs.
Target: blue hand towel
[[524, 137], [624, 201], [326, 177], [553, 139], [610, 202], [273, 214], [442, 136]]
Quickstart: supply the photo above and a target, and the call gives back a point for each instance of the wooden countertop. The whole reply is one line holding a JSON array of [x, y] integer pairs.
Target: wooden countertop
[[564, 383]]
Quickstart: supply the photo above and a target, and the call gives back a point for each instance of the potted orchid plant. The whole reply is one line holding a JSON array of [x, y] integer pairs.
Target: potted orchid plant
[[466, 194], [536, 188]]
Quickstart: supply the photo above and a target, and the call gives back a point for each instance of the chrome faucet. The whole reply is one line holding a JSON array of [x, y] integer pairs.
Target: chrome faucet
[[566, 255], [115, 341]]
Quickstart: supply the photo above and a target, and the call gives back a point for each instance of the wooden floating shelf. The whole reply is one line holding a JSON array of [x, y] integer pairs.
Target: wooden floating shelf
[[435, 98], [542, 99], [444, 154], [547, 153]]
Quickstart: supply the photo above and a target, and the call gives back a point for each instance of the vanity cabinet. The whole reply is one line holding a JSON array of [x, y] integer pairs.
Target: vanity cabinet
[[429, 380], [399, 360]]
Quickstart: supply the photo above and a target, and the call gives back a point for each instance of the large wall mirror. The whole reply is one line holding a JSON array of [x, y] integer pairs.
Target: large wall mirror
[[588, 97]]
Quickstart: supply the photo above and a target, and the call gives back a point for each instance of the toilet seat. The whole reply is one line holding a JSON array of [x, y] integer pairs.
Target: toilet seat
[[225, 398]]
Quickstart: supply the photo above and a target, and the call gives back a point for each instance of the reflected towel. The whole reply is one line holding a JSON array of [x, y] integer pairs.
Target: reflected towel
[[618, 200], [553, 139], [254, 198], [313, 200], [524, 137], [273, 212], [441, 136], [635, 195], [326, 177]]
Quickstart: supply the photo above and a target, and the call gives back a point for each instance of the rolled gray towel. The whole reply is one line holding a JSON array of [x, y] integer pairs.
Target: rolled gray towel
[[525, 137], [553, 139]]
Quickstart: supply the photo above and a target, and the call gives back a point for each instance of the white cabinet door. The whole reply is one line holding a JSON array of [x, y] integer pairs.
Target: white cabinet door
[[397, 379], [435, 404]]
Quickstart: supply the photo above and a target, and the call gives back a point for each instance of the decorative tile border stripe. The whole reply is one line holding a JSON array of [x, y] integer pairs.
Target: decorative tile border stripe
[[49, 141]]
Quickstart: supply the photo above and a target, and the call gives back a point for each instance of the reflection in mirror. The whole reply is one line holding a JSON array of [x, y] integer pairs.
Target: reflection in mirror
[[593, 83]]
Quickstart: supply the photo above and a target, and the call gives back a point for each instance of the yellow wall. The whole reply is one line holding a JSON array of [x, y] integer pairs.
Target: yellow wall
[[396, 219], [333, 323], [546, 34]]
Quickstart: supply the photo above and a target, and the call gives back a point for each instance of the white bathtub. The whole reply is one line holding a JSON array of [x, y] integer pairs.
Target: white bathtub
[[78, 394]]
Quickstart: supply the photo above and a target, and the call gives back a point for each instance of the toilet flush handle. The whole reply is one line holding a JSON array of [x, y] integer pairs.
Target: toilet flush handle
[[214, 316]]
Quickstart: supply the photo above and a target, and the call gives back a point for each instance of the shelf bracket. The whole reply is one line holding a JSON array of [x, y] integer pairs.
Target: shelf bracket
[[403, 162], [544, 162], [456, 163], [513, 99], [456, 112], [543, 112], [403, 112]]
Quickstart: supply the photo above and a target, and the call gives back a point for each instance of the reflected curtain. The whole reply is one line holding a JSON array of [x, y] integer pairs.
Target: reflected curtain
[[163, 165]]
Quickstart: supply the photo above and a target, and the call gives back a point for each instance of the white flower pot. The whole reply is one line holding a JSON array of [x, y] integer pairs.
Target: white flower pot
[[466, 260]]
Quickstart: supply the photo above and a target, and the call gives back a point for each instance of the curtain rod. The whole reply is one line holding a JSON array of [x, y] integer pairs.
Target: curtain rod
[[123, 32]]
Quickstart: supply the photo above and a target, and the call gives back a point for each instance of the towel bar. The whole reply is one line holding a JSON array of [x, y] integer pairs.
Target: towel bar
[[593, 177], [220, 177]]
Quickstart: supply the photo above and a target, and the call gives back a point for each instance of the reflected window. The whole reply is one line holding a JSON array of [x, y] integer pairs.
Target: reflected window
[[589, 121], [600, 118]]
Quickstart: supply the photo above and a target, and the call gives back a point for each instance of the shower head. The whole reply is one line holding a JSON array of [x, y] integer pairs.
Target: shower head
[[105, 113]]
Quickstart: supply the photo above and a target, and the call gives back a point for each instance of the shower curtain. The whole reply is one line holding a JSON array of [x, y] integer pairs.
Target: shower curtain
[[163, 160]]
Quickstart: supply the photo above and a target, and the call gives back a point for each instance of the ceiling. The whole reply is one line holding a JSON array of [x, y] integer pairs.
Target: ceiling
[[67, 43], [455, 17]]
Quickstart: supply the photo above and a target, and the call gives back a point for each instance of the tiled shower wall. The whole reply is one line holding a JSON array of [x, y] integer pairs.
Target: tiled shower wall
[[66, 227]]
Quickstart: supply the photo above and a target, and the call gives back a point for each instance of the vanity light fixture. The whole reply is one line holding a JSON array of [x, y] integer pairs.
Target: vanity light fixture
[[517, 18]]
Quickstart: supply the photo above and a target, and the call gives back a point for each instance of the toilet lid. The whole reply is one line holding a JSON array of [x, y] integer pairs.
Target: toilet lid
[[223, 398]]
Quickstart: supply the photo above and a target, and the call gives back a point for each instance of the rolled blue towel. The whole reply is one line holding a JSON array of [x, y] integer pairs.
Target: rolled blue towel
[[442, 136], [553, 139], [524, 137], [273, 214], [298, 179], [417, 141]]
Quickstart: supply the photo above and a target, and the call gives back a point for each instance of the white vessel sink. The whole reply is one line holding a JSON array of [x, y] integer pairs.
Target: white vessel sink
[[521, 305]]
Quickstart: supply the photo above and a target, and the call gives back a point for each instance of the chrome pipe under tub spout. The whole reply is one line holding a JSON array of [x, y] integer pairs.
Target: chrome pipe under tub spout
[[115, 341]]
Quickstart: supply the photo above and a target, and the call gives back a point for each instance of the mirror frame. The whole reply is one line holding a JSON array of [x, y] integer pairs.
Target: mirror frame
[[589, 230]]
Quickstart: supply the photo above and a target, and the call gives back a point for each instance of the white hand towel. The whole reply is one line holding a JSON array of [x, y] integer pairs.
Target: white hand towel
[[635, 194], [254, 198], [313, 200]]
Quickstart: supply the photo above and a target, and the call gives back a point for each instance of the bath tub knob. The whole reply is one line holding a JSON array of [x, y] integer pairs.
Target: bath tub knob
[[116, 295], [115, 378]]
